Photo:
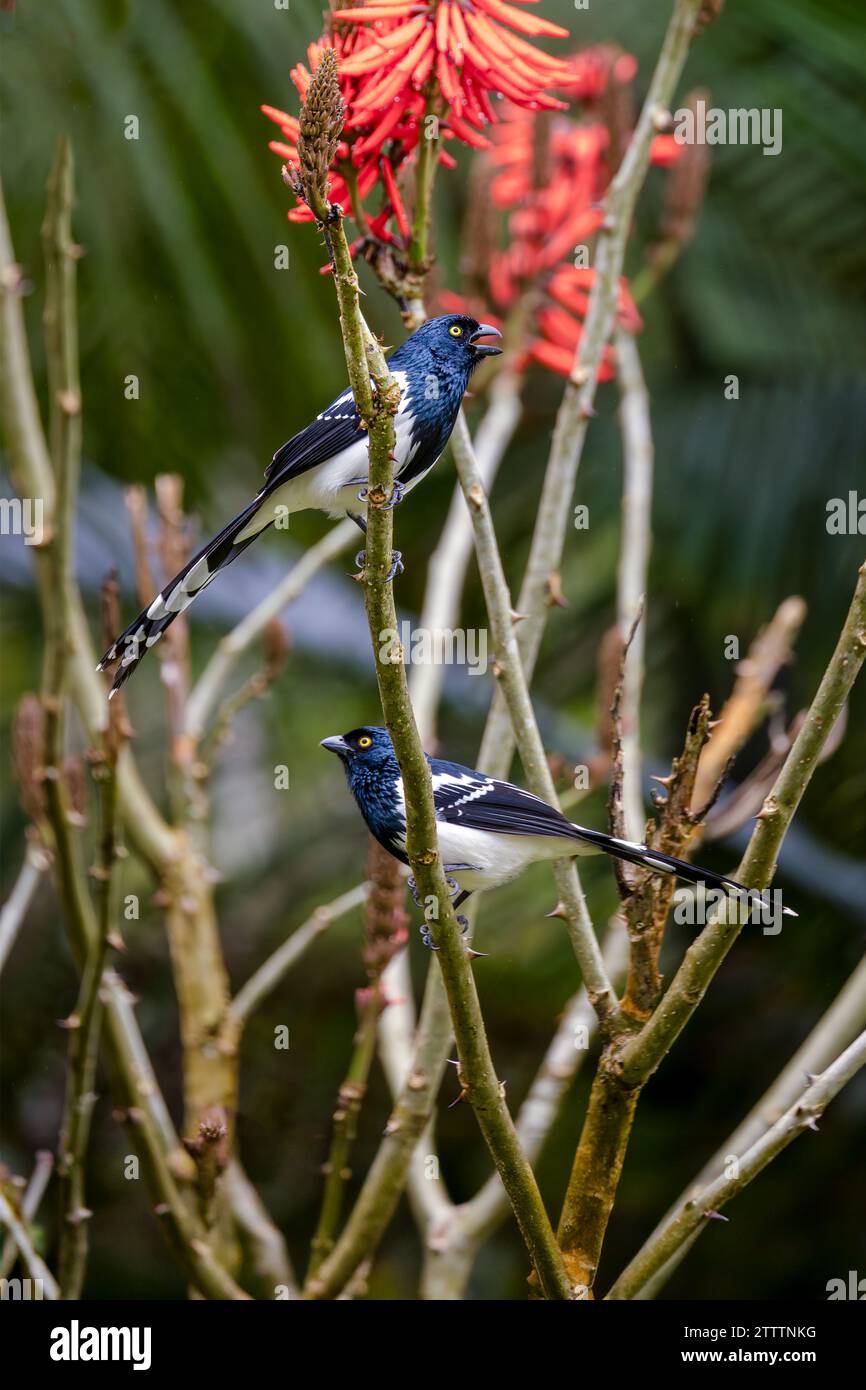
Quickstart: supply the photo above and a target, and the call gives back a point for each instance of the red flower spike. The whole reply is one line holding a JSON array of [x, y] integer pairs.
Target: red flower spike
[[395, 199]]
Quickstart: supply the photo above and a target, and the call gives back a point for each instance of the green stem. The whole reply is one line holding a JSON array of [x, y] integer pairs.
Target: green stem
[[692, 1213], [428, 159], [83, 1050], [345, 1127], [477, 1072], [576, 409], [644, 1052]]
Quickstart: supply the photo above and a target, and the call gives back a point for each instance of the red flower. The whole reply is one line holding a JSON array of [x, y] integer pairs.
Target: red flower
[[360, 159], [472, 51], [387, 52], [561, 322], [552, 191]]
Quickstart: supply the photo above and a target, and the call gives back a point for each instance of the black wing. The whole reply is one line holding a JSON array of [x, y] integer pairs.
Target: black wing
[[338, 426], [468, 798]]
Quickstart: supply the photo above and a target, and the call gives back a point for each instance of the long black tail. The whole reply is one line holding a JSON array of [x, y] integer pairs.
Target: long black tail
[[658, 863], [131, 646]]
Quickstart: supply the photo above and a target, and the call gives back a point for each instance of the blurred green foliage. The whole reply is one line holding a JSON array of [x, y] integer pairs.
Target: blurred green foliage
[[179, 287]]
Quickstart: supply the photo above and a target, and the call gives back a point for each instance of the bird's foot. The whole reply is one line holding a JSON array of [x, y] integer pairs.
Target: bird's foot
[[397, 566], [398, 492], [463, 924], [413, 889]]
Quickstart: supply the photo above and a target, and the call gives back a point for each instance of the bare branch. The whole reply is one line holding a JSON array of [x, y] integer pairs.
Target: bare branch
[[634, 550], [642, 1055], [15, 908], [836, 1028], [272, 971], [746, 704], [693, 1212], [33, 1263], [205, 694], [554, 513]]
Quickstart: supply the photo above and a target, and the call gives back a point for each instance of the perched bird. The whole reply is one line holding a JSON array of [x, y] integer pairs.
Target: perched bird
[[325, 467], [489, 831]]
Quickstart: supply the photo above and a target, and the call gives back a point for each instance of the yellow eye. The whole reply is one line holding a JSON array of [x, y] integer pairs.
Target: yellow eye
[[364, 742], [455, 330]]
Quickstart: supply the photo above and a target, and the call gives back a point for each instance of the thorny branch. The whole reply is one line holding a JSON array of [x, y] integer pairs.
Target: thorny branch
[[692, 1213], [377, 408]]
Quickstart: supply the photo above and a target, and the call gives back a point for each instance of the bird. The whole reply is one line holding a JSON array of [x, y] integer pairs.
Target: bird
[[489, 831], [326, 468]]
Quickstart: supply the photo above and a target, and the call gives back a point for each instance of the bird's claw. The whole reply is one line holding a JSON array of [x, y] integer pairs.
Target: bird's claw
[[413, 889], [397, 566], [398, 492], [463, 924]]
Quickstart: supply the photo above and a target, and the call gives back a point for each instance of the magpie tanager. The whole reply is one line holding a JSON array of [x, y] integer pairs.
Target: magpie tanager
[[489, 831], [326, 466]]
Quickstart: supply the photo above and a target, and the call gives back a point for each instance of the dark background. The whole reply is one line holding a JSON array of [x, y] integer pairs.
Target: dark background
[[178, 287]]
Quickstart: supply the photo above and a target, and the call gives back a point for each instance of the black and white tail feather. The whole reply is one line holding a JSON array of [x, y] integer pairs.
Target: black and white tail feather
[[142, 634], [658, 863]]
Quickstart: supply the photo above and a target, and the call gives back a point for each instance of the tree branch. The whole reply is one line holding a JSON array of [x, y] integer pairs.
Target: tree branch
[[272, 971], [576, 410], [33, 1263], [833, 1032], [770, 650], [512, 682], [31, 471], [455, 1233], [692, 1213], [634, 550], [33, 1194], [15, 908], [477, 1073], [643, 1053], [205, 694]]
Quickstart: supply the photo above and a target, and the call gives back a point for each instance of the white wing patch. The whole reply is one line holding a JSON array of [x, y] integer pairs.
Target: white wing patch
[[334, 413], [475, 789]]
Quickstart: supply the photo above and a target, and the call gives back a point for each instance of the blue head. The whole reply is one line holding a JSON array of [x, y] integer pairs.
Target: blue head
[[372, 772], [438, 361], [453, 342], [367, 748]]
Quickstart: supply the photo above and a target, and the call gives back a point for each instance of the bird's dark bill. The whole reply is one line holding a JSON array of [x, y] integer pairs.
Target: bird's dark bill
[[485, 330], [336, 744]]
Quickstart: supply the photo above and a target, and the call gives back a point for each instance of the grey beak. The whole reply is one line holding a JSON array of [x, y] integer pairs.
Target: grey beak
[[336, 744], [485, 330]]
